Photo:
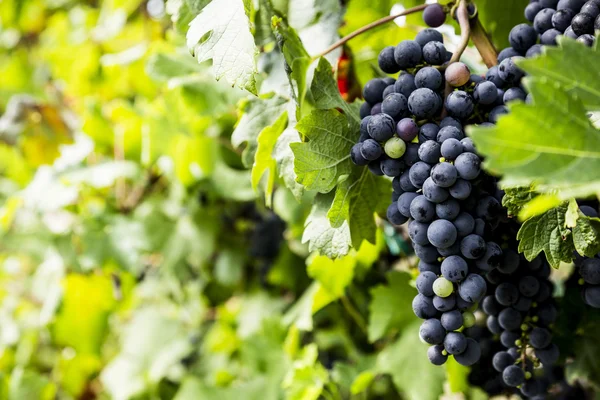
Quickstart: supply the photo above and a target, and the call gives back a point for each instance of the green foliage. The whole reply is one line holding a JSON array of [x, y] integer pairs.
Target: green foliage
[[499, 18]]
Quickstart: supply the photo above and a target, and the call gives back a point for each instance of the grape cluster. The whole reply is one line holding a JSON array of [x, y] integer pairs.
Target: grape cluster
[[520, 312], [576, 19]]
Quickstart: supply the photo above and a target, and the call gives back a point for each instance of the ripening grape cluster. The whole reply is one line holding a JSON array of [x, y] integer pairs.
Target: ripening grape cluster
[[413, 131]]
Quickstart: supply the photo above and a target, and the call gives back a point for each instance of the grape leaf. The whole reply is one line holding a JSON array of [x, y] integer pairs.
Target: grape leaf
[[577, 77], [321, 161], [548, 233], [263, 159], [257, 113], [333, 275], [391, 306], [406, 361], [586, 235], [516, 197], [550, 143], [326, 94], [356, 200], [584, 366], [320, 235], [229, 44], [499, 17]]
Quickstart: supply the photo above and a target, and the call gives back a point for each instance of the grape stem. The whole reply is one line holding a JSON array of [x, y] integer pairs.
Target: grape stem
[[462, 15], [368, 27], [482, 42]]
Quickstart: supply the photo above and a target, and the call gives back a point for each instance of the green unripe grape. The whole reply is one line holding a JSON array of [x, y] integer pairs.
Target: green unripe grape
[[442, 287], [468, 319], [395, 147], [524, 327], [518, 342], [528, 375]]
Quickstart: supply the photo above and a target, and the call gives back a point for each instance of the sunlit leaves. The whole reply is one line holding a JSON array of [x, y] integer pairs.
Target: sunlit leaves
[[229, 44]]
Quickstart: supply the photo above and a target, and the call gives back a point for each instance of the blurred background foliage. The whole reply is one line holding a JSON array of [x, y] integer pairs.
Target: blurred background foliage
[[136, 259]]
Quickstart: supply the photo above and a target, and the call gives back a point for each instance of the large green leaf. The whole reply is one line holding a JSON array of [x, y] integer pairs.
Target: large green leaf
[[321, 161], [229, 44], [578, 76], [326, 94], [390, 308], [550, 143], [320, 235]]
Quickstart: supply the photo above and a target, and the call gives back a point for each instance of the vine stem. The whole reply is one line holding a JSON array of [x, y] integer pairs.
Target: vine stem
[[462, 15], [368, 27], [483, 43]]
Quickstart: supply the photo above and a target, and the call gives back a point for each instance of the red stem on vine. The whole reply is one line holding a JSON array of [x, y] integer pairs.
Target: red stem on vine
[[370, 26]]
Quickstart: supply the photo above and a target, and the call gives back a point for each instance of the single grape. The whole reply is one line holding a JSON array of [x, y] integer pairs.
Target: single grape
[[428, 131], [548, 3], [395, 105], [451, 148], [407, 129], [471, 355], [464, 224], [444, 304], [543, 20], [434, 53], [412, 154], [493, 325], [449, 132], [468, 166], [459, 104], [395, 147], [422, 210], [408, 54], [432, 332], [429, 152], [510, 319], [485, 93], [394, 216], [371, 150], [548, 38], [453, 250], [472, 288], [429, 35], [531, 11], [522, 37], [591, 8], [455, 343], [418, 233], [434, 15], [356, 156], [448, 210], [404, 203], [433, 192], [436, 355], [373, 90], [487, 208], [493, 76], [418, 173], [375, 168], [473, 247], [540, 338], [430, 78], [423, 307], [468, 145], [424, 283], [510, 262], [381, 127], [588, 211], [405, 84], [531, 388], [392, 167], [452, 320], [513, 376], [502, 360], [523, 304], [490, 306], [570, 33], [561, 19], [496, 113], [513, 94], [423, 103], [388, 90], [461, 189], [387, 62], [457, 74], [442, 287], [534, 50], [441, 233], [432, 267], [444, 174], [455, 268], [509, 71], [506, 294], [587, 39], [508, 338]]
